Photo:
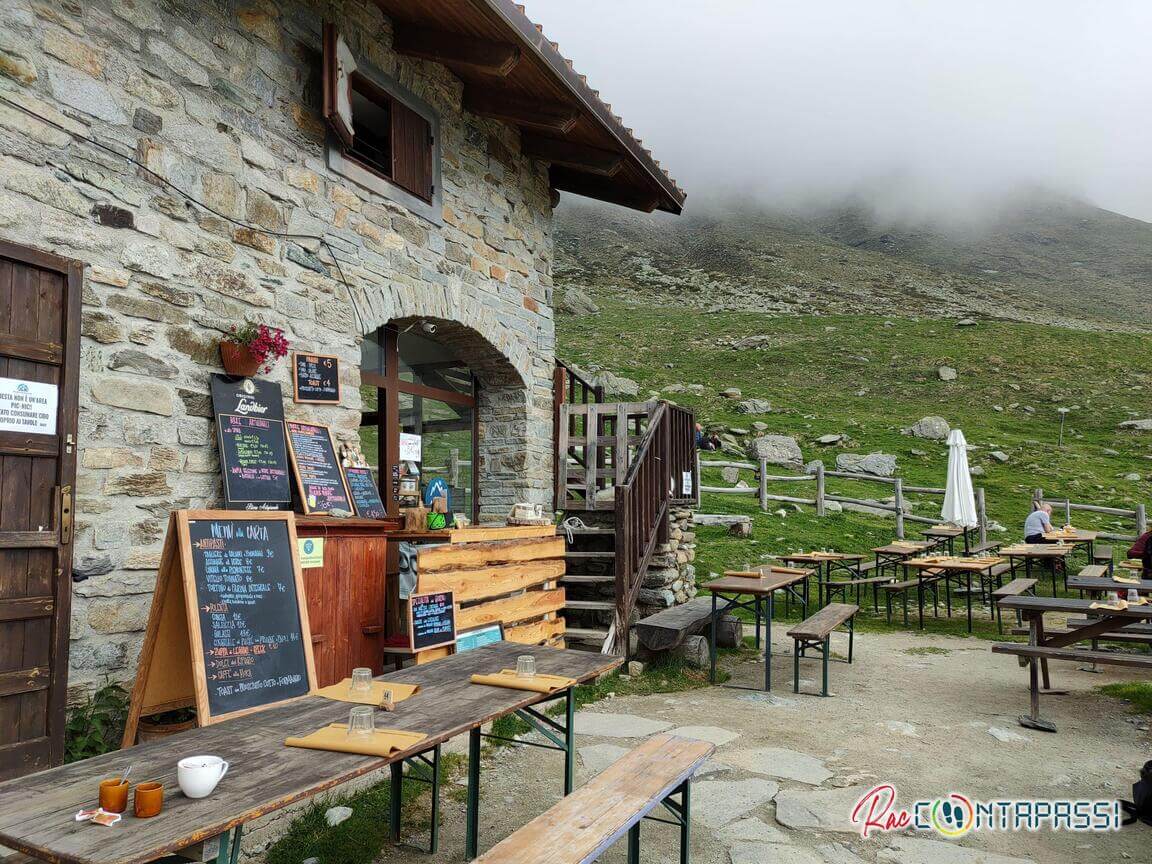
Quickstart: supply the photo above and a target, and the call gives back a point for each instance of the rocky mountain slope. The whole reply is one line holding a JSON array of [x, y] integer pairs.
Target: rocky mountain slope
[[1041, 258]]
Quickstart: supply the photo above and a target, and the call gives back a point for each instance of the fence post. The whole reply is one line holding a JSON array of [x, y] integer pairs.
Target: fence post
[[982, 515], [1067, 511], [820, 488], [1141, 520], [764, 485], [1037, 499], [900, 508]]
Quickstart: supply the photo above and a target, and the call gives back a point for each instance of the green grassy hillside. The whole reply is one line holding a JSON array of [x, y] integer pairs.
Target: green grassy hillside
[[868, 376]]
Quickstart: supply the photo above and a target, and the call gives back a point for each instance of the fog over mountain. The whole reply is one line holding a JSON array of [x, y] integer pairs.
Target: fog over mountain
[[920, 110]]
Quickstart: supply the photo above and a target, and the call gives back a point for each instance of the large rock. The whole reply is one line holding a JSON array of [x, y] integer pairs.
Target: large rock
[[932, 428], [1139, 425], [878, 464], [577, 303], [947, 373], [776, 450], [754, 406], [616, 385]]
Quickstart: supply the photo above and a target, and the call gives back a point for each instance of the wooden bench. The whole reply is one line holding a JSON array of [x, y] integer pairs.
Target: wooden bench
[[1015, 588], [928, 579], [581, 827], [668, 628], [986, 546], [816, 632], [1139, 635], [1103, 555], [1043, 652], [841, 587]]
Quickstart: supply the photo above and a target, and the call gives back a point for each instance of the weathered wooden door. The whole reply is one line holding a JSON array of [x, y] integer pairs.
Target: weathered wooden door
[[39, 366]]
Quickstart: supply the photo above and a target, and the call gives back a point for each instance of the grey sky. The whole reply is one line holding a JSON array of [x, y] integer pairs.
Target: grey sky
[[934, 107]]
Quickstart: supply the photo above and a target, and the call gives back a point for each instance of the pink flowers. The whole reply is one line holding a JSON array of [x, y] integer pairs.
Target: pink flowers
[[265, 344]]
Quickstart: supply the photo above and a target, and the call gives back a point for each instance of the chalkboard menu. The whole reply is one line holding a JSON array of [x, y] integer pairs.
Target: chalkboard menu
[[316, 378], [250, 434], [364, 493], [319, 478], [431, 620], [252, 633]]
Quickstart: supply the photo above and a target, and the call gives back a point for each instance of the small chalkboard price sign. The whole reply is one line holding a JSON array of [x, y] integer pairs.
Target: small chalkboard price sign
[[365, 495], [228, 632], [250, 433], [319, 477], [316, 378], [431, 620]]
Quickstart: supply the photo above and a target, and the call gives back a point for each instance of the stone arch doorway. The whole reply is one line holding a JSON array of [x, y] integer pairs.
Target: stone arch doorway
[[442, 402]]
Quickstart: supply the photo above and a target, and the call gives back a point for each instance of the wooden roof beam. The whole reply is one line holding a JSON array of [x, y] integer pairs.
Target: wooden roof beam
[[549, 116], [580, 157], [455, 49], [603, 189]]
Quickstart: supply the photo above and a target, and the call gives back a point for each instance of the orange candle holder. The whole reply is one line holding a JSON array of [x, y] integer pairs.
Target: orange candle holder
[[114, 794], [148, 800]]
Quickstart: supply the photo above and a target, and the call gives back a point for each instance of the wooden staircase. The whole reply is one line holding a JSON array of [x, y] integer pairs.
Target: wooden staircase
[[620, 466]]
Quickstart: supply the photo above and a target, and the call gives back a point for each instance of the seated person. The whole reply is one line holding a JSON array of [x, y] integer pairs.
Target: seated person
[[1038, 523], [1142, 551]]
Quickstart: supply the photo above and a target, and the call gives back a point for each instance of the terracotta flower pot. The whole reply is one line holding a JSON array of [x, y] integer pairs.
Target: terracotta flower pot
[[238, 360], [150, 730]]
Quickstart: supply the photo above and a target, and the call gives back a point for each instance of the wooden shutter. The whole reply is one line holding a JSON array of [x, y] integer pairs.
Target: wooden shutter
[[411, 151], [339, 64]]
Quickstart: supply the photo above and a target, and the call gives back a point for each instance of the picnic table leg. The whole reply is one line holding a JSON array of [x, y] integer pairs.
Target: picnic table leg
[[969, 585], [768, 645], [712, 644], [851, 635], [948, 592], [634, 844], [395, 798], [756, 612], [569, 740], [920, 596], [827, 652], [229, 850], [1034, 720], [686, 821], [796, 667], [472, 818]]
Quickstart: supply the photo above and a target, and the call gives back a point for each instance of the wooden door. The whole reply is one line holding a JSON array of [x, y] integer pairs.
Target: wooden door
[[39, 359]]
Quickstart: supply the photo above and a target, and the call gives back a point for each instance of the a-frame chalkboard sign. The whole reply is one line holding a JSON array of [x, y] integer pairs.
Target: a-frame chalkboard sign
[[228, 632]]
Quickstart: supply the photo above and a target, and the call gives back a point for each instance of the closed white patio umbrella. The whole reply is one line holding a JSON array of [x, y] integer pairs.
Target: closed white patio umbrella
[[959, 500]]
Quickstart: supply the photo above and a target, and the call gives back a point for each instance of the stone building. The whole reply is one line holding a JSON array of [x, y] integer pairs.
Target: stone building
[[187, 167]]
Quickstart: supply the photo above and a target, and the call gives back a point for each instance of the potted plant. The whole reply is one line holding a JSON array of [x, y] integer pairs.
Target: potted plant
[[165, 723], [250, 347]]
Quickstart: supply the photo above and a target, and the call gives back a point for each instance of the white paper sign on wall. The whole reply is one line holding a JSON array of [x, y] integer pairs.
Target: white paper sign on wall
[[410, 446], [27, 406], [686, 483]]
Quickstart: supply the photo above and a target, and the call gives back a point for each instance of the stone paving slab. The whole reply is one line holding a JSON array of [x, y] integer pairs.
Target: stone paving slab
[[715, 803], [597, 757], [917, 850], [762, 853], [713, 734], [819, 809], [782, 763], [751, 830], [618, 725]]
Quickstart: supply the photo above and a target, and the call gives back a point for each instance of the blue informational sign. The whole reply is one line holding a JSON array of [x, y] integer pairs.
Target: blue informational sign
[[477, 638]]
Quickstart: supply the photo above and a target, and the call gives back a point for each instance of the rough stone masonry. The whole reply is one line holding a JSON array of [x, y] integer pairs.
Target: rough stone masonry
[[220, 102]]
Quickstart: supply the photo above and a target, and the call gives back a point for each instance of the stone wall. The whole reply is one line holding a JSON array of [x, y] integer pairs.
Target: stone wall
[[221, 103], [671, 578]]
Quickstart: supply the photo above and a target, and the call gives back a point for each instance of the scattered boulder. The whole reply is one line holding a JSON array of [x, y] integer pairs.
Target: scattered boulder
[[976, 470], [999, 456], [730, 474], [833, 507], [753, 406], [635, 667], [878, 464], [1138, 425], [828, 440], [1133, 477], [737, 430], [930, 428], [615, 385], [759, 426], [335, 815], [966, 322], [813, 466], [577, 303], [776, 450], [740, 529], [731, 393], [947, 373]]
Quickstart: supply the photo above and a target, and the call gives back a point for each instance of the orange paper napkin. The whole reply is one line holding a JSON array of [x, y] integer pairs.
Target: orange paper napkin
[[536, 684], [382, 742], [340, 693]]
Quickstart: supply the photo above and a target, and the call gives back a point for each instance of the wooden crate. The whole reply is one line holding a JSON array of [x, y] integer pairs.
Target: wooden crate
[[514, 582]]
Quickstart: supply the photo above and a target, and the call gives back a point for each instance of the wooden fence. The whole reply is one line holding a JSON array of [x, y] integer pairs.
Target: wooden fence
[[821, 495], [1137, 514]]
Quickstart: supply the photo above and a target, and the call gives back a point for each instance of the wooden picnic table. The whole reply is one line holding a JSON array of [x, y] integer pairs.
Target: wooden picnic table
[[1052, 553], [1042, 646], [762, 588], [36, 811], [1076, 537], [1080, 583], [825, 564], [952, 567], [946, 535], [896, 553]]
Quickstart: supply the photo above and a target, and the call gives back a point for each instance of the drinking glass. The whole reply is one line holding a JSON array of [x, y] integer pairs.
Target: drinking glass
[[361, 721], [525, 666], [361, 681]]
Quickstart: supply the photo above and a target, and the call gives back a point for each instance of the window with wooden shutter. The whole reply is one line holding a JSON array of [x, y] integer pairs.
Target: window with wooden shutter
[[411, 151], [379, 133]]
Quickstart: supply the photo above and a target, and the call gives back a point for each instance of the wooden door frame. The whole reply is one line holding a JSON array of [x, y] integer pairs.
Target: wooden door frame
[[67, 417], [389, 387]]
